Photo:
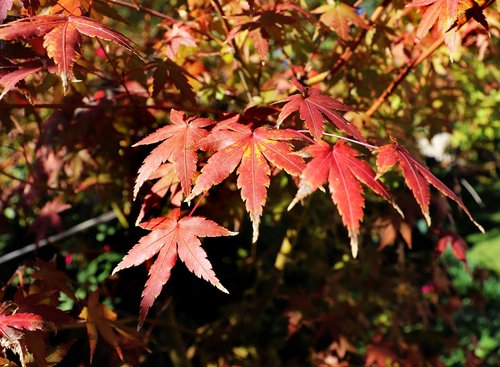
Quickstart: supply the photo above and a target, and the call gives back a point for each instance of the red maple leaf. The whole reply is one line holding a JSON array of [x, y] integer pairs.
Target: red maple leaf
[[15, 329], [417, 177], [260, 25], [455, 242], [444, 14], [342, 169], [10, 320], [62, 37], [237, 145], [12, 75], [175, 37], [167, 182], [172, 237], [313, 106], [178, 147], [338, 16]]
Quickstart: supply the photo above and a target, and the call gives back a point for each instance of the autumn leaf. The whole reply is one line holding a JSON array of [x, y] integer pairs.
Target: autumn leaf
[[417, 178], [260, 25], [171, 237], [5, 6], [178, 146], [176, 37], [16, 331], [100, 319], [456, 243], [12, 74], [444, 14], [48, 218], [237, 145], [10, 320], [389, 227], [313, 107], [342, 169], [167, 182], [168, 72], [338, 16], [62, 37]]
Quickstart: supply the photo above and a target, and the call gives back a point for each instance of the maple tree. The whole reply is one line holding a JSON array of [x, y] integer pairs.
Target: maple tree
[[214, 119]]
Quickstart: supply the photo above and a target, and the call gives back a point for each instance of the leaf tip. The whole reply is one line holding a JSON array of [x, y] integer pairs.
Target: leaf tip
[[427, 218], [398, 209], [221, 288], [354, 246], [139, 325], [480, 227]]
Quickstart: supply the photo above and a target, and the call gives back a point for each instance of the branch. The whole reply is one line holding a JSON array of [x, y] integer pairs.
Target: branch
[[407, 69], [14, 106], [141, 8], [220, 11], [350, 51], [103, 218]]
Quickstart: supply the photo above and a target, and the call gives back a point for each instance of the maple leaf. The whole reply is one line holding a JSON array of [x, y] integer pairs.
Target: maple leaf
[[100, 319], [313, 106], [14, 325], [176, 37], [456, 243], [62, 37], [259, 25], [5, 6], [171, 237], [237, 145], [48, 218], [338, 16], [444, 14], [169, 71], [12, 74], [167, 182], [178, 147], [342, 169], [10, 320], [417, 178], [388, 228]]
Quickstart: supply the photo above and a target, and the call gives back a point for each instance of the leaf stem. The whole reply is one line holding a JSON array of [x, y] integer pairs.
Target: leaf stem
[[197, 203], [338, 137], [352, 140], [301, 133]]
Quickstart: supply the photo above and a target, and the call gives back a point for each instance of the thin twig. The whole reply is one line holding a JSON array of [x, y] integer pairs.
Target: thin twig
[[352, 140], [141, 8], [12, 177], [220, 11], [13, 106], [406, 70], [352, 47], [103, 218], [115, 70], [197, 203]]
